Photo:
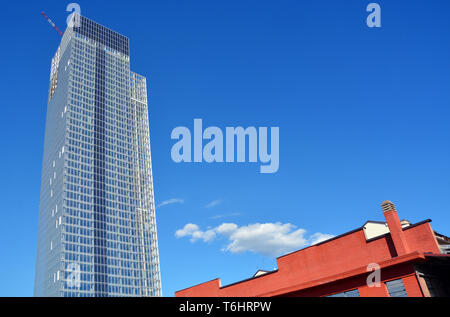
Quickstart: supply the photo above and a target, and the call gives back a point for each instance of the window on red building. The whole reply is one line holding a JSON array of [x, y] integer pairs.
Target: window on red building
[[396, 288]]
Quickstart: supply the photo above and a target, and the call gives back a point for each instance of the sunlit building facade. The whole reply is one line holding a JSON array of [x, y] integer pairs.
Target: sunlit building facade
[[97, 230]]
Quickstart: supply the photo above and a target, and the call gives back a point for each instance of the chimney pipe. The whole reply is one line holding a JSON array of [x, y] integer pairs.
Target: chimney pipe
[[395, 228]]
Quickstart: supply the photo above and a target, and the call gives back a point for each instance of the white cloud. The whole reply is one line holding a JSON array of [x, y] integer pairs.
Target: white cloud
[[171, 201], [235, 214], [187, 230], [267, 238], [271, 239], [214, 203], [227, 228], [319, 237], [195, 233]]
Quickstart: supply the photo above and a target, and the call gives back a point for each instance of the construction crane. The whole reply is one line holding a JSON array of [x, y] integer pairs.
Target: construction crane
[[51, 23]]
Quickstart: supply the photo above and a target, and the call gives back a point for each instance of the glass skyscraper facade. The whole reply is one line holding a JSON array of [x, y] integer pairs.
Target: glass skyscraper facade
[[97, 229]]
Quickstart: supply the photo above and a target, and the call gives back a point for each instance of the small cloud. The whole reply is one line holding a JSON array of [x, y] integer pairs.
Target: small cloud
[[319, 237], [270, 239], [195, 233], [187, 230], [235, 214], [171, 201], [214, 203]]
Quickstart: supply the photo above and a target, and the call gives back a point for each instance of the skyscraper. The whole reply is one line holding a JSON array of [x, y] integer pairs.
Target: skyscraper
[[97, 228]]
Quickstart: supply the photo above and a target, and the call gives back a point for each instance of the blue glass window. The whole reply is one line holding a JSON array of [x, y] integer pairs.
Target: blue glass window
[[396, 288]]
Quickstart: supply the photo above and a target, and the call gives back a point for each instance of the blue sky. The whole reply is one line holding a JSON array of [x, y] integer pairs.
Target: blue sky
[[363, 116]]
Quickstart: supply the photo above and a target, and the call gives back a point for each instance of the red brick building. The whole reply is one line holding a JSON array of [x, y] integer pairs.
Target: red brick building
[[413, 260]]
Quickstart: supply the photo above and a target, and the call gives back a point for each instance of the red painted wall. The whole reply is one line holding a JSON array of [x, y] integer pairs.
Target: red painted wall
[[421, 238]]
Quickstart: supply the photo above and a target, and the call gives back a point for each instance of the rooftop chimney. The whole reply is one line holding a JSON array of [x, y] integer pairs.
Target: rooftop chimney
[[387, 205], [395, 227]]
